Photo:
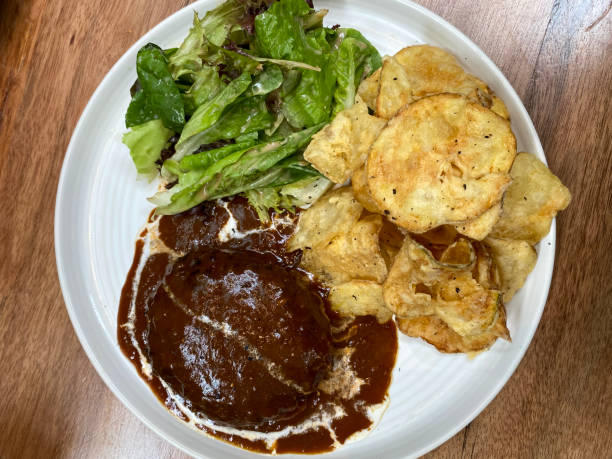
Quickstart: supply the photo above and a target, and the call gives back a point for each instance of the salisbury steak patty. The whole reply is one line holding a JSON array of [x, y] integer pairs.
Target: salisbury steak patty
[[239, 336]]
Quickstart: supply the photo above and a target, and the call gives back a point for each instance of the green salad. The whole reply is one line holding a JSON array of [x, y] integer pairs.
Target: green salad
[[231, 110]]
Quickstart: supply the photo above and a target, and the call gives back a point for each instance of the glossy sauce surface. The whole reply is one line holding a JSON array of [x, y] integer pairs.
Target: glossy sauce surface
[[235, 339]]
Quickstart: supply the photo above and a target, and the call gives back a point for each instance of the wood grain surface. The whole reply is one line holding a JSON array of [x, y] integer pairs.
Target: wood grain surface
[[558, 56]]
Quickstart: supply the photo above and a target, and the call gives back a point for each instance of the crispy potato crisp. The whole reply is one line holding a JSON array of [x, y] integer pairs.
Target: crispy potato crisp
[[359, 298], [436, 332], [359, 182], [482, 225], [335, 212], [515, 260], [531, 201], [441, 160], [341, 147], [368, 89], [353, 254], [394, 89], [427, 70]]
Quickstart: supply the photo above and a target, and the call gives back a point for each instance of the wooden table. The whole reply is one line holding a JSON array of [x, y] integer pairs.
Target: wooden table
[[558, 56]]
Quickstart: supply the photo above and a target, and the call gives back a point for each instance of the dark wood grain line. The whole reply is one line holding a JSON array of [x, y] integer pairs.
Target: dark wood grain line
[[466, 431]]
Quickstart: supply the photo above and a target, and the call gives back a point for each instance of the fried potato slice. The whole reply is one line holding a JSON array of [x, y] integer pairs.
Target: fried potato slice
[[390, 240], [439, 237], [418, 284], [459, 255], [410, 289], [440, 160], [531, 201], [436, 332], [328, 217], [514, 260], [353, 254], [427, 70], [498, 106], [485, 271], [359, 298], [394, 89], [368, 89], [342, 146], [359, 182], [479, 227], [466, 307]]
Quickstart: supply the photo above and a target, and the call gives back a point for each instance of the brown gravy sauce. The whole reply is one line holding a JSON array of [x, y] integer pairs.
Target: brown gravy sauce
[[237, 341]]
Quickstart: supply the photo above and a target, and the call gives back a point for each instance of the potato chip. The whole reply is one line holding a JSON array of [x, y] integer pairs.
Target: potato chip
[[485, 271], [332, 214], [435, 331], [394, 89], [531, 201], [342, 146], [443, 235], [441, 160], [479, 227], [427, 71], [514, 260], [420, 285], [390, 240], [498, 106], [466, 307], [410, 287], [359, 298], [353, 254], [359, 182], [368, 89], [459, 255]]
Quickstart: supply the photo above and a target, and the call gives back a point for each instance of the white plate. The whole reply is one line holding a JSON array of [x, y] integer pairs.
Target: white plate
[[101, 207]]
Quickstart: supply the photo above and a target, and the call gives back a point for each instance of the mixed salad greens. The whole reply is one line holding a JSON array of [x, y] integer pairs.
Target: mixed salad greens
[[231, 110]]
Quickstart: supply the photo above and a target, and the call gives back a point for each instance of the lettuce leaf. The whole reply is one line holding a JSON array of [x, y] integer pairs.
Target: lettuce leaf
[[162, 94], [232, 174], [187, 59], [139, 111], [280, 35], [146, 142], [299, 194], [208, 114], [356, 59]]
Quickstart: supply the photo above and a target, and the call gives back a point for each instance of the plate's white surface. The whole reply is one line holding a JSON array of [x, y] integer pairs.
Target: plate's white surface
[[101, 207]]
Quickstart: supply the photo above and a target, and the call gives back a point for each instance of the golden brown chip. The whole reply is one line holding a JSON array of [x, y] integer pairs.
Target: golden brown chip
[[443, 235], [531, 201], [418, 285], [411, 288], [485, 271], [460, 254], [479, 227], [514, 260], [353, 254], [466, 307], [359, 298], [427, 71], [359, 182], [408, 289], [342, 146], [394, 89], [390, 239], [435, 331], [498, 106], [332, 214], [368, 89], [440, 160]]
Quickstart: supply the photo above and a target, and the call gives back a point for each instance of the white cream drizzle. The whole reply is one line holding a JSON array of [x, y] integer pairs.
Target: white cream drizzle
[[230, 229]]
